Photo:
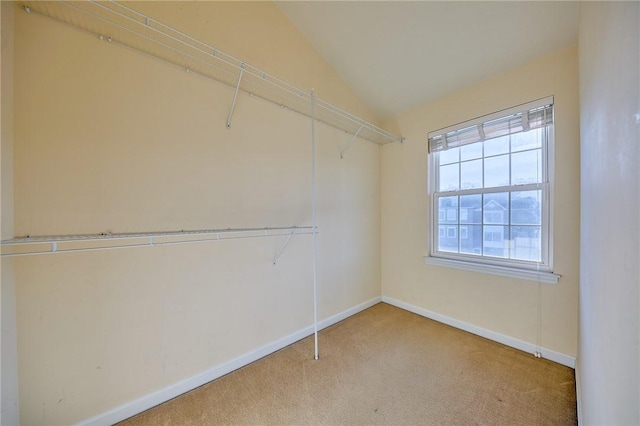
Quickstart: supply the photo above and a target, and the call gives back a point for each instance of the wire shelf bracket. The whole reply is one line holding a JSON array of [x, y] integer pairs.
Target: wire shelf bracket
[[281, 249], [119, 24], [346, 148], [235, 96]]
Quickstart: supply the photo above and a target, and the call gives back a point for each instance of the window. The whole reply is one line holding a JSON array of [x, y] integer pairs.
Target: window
[[490, 186]]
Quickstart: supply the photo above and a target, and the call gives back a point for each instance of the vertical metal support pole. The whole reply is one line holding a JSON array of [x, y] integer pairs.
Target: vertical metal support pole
[[314, 223], [235, 96]]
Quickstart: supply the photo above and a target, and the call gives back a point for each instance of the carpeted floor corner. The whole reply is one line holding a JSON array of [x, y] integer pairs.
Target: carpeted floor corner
[[383, 366]]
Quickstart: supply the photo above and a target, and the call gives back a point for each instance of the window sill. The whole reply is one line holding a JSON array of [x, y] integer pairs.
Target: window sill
[[537, 276]]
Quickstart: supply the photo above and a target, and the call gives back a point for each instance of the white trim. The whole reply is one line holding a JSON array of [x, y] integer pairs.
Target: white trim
[[549, 178], [503, 271], [151, 400], [531, 348]]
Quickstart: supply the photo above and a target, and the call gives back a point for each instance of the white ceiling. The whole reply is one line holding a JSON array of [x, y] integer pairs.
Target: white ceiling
[[397, 55]]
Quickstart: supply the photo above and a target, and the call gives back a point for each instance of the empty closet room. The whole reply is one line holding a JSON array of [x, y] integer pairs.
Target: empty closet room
[[190, 187]]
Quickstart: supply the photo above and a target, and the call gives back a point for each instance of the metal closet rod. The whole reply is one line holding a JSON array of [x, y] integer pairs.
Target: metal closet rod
[[141, 23], [149, 238]]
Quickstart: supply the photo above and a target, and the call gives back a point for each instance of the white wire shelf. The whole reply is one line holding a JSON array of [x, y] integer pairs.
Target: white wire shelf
[[116, 23], [29, 246]]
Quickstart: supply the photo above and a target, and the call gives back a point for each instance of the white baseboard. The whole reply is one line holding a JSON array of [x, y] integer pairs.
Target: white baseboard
[[328, 322], [151, 400], [558, 357]]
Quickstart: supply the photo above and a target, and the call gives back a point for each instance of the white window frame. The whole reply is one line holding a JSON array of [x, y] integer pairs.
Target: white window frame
[[536, 271]]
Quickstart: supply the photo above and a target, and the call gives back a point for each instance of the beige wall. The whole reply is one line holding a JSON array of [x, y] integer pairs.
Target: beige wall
[[8, 16], [502, 305], [110, 140], [8, 344], [259, 34], [608, 371]]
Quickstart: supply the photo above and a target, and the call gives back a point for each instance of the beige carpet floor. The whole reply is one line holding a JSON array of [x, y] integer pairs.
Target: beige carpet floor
[[383, 366]]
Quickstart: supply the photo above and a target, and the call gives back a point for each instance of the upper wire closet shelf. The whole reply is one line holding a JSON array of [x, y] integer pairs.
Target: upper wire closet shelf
[[117, 23]]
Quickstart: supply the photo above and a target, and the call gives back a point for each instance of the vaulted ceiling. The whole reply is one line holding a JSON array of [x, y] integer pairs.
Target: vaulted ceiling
[[397, 55]]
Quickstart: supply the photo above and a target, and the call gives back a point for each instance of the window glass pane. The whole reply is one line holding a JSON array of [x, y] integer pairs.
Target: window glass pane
[[496, 171], [526, 140], [464, 214], [450, 177], [452, 232], [496, 208], [471, 151], [526, 243], [496, 146], [495, 241], [526, 167], [448, 238], [451, 155], [471, 239], [471, 208], [526, 207], [464, 232], [448, 209], [471, 174]]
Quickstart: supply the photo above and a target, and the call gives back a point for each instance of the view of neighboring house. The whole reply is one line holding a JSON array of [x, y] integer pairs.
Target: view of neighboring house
[[493, 227]]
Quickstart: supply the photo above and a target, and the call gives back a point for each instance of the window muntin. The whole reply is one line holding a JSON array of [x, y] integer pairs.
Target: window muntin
[[495, 194]]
